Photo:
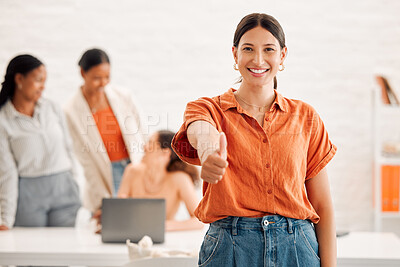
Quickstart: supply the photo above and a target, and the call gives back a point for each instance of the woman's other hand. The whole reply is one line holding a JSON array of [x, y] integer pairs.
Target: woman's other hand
[[4, 227], [97, 217]]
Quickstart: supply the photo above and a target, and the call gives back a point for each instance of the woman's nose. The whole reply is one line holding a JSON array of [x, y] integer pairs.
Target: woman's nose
[[258, 58], [104, 82], [42, 86]]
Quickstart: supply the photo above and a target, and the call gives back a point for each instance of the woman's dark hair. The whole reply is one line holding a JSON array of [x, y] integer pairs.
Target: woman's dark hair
[[254, 20], [93, 57], [22, 64], [175, 163]]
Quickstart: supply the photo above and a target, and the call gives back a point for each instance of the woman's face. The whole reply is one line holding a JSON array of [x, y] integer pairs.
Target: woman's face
[[31, 85], [152, 145], [97, 77], [153, 152], [258, 56]]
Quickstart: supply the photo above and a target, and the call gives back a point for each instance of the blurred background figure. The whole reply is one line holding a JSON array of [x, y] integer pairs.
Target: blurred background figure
[[161, 174], [106, 129], [36, 160]]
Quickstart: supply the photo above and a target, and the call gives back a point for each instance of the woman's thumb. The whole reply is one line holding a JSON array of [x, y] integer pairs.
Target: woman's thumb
[[222, 145]]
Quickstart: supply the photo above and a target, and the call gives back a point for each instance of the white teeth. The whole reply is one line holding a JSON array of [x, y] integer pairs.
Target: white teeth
[[258, 71]]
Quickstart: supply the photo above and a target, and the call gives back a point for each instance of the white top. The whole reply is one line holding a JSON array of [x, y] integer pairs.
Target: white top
[[30, 147]]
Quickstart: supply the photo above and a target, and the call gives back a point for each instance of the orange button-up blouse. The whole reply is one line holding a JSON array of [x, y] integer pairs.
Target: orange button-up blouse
[[111, 135], [267, 165]]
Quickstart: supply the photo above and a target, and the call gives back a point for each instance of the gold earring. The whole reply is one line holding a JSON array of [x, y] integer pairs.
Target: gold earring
[[19, 87], [235, 66], [283, 67]]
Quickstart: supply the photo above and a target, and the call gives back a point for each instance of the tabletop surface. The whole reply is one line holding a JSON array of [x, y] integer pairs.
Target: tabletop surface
[[369, 245], [77, 246]]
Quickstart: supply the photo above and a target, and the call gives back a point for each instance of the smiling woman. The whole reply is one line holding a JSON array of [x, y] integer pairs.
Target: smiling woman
[[36, 160], [30, 88], [263, 156], [106, 129]]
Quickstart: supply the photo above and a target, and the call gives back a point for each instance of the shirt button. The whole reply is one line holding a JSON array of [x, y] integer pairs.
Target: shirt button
[[265, 140], [267, 165], [267, 119], [269, 191]]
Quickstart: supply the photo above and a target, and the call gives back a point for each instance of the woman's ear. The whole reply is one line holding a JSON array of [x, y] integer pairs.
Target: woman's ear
[[234, 53], [283, 54], [18, 78], [83, 73]]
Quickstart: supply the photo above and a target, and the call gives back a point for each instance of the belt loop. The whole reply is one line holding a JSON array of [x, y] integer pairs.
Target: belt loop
[[234, 223], [290, 226]]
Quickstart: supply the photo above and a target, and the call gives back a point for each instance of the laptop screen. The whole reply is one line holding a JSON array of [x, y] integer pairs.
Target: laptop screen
[[132, 218]]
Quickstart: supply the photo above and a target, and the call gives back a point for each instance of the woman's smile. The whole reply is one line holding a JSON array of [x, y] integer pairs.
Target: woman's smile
[[257, 72]]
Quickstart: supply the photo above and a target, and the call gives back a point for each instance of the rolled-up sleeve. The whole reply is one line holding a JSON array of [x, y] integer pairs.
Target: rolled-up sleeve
[[202, 109], [320, 150]]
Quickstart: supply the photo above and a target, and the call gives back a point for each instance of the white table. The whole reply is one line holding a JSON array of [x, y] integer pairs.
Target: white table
[[69, 246], [369, 249], [75, 246]]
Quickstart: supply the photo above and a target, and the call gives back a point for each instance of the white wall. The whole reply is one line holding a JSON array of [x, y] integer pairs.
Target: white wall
[[170, 52]]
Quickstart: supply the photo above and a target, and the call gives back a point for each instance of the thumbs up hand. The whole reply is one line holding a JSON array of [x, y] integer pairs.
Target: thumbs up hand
[[214, 162], [222, 146]]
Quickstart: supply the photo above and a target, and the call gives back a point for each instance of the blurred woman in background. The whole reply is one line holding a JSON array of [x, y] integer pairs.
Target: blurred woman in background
[[37, 188], [161, 174], [106, 129]]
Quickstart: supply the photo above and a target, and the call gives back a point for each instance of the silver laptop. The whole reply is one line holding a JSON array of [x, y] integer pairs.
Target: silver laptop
[[132, 218]]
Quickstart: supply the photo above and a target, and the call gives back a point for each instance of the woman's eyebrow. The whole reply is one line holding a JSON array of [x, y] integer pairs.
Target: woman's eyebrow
[[249, 44]]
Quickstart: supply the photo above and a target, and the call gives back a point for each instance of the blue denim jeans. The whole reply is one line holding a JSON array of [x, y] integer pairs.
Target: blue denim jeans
[[118, 168], [266, 241]]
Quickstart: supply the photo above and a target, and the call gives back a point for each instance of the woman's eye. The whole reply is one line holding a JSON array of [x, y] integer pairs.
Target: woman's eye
[[269, 49], [247, 49]]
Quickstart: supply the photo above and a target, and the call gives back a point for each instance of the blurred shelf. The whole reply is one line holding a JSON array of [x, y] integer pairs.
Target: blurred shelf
[[389, 108], [390, 214], [383, 118], [389, 160]]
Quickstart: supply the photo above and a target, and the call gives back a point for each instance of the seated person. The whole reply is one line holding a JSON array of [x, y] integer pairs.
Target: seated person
[[161, 174]]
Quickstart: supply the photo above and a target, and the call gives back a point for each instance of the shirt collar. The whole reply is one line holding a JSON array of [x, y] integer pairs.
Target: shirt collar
[[228, 101], [280, 102], [12, 112]]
